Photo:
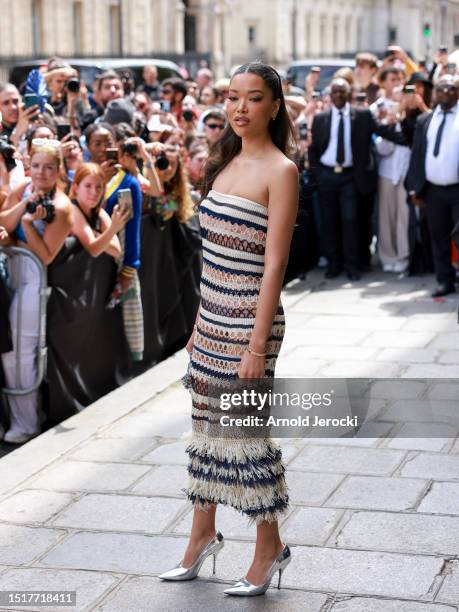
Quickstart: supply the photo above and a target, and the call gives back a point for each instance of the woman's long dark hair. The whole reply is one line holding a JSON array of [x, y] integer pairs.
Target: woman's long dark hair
[[229, 145]]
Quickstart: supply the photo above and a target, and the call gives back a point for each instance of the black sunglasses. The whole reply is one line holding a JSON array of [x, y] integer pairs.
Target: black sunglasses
[[215, 126]]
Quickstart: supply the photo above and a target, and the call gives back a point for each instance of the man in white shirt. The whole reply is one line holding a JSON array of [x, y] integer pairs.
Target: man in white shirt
[[433, 177], [341, 161], [393, 211]]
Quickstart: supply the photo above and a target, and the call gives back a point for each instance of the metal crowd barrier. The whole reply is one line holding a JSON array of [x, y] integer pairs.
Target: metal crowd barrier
[[42, 349]]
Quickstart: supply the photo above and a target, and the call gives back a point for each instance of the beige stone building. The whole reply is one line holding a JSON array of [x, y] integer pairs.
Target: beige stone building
[[232, 30]]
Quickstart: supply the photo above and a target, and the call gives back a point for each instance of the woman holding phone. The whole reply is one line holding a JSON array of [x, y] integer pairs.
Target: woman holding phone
[[92, 224], [116, 166], [124, 188], [247, 216]]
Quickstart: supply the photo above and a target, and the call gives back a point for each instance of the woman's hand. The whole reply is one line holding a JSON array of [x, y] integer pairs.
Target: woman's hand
[[140, 144], [109, 169], [26, 117], [3, 234], [190, 343], [251, 366], [125, 282], [40, 213], [119, 218], [419, 202]]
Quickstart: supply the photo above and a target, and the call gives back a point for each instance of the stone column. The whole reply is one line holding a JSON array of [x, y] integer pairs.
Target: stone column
[[179, 29], [217, 50]]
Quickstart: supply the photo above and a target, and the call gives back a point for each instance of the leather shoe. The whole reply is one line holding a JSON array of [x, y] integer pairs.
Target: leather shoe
[[332, 272], [442, 290], [353, 276]]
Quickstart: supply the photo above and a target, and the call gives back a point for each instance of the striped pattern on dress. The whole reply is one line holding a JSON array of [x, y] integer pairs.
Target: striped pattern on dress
[[247, 474]]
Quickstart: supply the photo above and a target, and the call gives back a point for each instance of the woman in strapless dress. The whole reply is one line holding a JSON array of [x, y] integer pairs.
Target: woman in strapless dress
[[247, 215]]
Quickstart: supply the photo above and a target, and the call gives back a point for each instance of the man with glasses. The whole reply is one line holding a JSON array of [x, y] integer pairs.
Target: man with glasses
[[433, 177], [214, 123]]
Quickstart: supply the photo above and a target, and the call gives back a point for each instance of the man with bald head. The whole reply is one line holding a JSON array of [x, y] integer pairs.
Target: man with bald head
[[341, 160], [433, 176]]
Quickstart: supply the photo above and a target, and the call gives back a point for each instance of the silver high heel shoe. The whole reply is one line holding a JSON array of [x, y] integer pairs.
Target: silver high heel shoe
[[244, 587], [188, 573]]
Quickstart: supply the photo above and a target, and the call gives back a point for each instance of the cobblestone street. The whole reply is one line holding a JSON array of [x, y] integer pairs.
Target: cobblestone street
[[94, 505]]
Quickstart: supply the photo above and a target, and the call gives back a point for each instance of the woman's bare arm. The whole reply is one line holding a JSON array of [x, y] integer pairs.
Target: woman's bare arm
[[13, 209], [95, 246], [283, 208], [48, 246]]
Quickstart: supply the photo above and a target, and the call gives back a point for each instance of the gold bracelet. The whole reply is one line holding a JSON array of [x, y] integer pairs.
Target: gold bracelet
[[249, 350]]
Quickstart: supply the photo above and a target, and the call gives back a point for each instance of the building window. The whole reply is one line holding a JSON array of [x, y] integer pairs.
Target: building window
[[252, 34], [36, 27], [115, 29], [190, 32], [77, 27]]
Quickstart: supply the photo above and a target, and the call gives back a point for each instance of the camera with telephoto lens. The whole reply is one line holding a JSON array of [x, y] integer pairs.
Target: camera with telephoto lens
[[162, 163], [187, 115], [47, 203], [7, 151], [73, 85]]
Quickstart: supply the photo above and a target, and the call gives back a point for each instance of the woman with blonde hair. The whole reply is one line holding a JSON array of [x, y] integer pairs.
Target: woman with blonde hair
[[38, 216]]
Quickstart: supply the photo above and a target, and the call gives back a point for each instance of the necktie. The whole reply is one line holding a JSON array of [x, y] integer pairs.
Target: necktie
[[436, 150], [340, 148]]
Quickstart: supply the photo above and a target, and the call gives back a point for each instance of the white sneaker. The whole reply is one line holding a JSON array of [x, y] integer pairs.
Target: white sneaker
[[17, 437], [400, 266], [388, 267]]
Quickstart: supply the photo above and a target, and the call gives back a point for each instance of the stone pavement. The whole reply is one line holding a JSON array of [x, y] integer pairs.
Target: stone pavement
[[94, 505]]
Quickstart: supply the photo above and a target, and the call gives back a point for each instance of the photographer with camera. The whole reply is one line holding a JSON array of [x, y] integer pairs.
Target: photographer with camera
[[68, 96], [38, 215], [11, 169], [176, 198]]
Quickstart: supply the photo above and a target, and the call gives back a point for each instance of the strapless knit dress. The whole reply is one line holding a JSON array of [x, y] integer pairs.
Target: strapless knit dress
[[247, 474]]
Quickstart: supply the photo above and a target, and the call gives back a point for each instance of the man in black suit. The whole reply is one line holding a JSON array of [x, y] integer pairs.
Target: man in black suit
[[341, 159], [433, 177]]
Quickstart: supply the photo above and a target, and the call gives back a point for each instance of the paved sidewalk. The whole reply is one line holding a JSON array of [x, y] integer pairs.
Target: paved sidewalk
[[94, 505]]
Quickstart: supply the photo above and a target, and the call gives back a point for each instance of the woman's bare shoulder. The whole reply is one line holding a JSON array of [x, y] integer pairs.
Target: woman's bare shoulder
[[282, 166]]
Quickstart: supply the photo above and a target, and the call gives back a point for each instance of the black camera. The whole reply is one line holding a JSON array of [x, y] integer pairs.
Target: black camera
[[73, 85], [187, 115], [130, 148], [162, 163], [47, 204], [7, 152]]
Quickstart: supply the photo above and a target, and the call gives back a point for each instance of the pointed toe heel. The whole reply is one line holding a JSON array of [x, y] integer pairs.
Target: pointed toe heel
[[189, 573], [245, 588]]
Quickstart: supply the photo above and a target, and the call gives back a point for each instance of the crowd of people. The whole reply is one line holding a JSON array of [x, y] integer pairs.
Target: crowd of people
[[379, 143]]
